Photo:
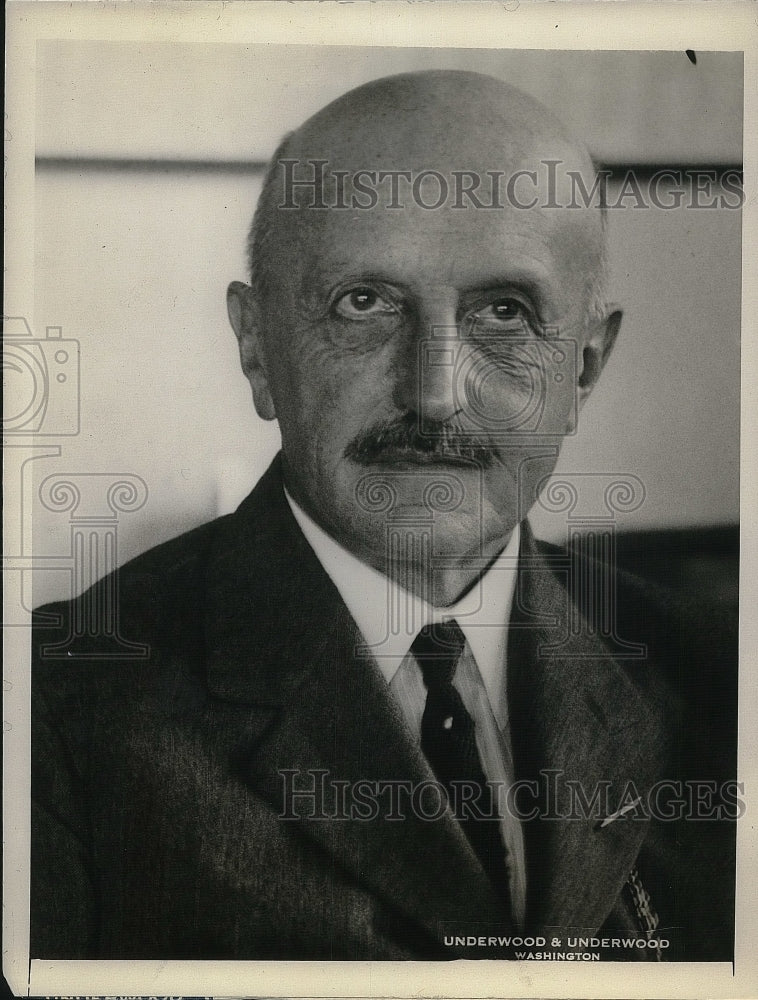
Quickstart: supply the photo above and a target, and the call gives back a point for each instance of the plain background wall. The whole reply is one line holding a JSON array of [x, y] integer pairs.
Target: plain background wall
[[149, 168]]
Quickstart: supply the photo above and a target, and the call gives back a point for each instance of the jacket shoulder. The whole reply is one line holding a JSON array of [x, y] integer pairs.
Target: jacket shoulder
[[141, 592], [673, 623], [690, 644]]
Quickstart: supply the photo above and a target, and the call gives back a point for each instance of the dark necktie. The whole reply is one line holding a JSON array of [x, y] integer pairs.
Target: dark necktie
[[448, 741]]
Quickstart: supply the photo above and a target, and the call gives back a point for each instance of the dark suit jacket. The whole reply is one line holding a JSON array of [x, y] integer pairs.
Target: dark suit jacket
[[158, 793]]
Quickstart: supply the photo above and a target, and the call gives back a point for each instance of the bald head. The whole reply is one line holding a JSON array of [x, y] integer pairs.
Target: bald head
[[429, 142], [447, 116]]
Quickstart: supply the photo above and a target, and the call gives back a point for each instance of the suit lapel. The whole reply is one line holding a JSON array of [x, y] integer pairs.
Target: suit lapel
[[326, 717], [577, 716]]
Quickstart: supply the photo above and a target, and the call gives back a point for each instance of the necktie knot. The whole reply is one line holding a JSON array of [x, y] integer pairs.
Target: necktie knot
[[437, 649]]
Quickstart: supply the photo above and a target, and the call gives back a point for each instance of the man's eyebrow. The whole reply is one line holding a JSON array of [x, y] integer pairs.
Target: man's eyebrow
[[318, 280], [528, 285], [534, 285]]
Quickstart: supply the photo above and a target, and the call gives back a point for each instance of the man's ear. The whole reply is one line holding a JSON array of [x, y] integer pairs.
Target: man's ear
[[245, 317], [597, 348]]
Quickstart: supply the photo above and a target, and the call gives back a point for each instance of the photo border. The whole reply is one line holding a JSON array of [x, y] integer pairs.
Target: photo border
[[602, 25]]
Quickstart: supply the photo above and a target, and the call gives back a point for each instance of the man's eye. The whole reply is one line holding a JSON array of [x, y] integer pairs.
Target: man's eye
[[363, 302], [503, 310]]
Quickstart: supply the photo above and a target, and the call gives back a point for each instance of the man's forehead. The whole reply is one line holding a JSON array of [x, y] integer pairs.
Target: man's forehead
[[459, 248], [460, 227]]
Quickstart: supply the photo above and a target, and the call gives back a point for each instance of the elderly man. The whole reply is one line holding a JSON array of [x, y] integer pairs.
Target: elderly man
[[377, 719]]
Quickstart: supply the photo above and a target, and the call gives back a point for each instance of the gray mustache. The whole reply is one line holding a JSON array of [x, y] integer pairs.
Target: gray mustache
[[402, 439]]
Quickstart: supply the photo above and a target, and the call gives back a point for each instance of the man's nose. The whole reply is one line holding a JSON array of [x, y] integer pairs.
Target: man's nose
[[428, 362]]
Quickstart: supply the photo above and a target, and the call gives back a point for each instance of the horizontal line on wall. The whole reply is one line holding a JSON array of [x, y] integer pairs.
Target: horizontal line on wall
[[116, 164], [106, 163], [618, 170]]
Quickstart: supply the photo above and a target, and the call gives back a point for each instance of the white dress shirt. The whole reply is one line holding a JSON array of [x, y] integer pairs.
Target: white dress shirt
[[389, 618]]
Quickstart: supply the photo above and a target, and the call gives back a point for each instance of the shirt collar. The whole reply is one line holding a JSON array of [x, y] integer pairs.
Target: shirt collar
[[389, 617]]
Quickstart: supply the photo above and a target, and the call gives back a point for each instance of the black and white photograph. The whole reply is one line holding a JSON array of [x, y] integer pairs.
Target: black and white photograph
[[372, 449]]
